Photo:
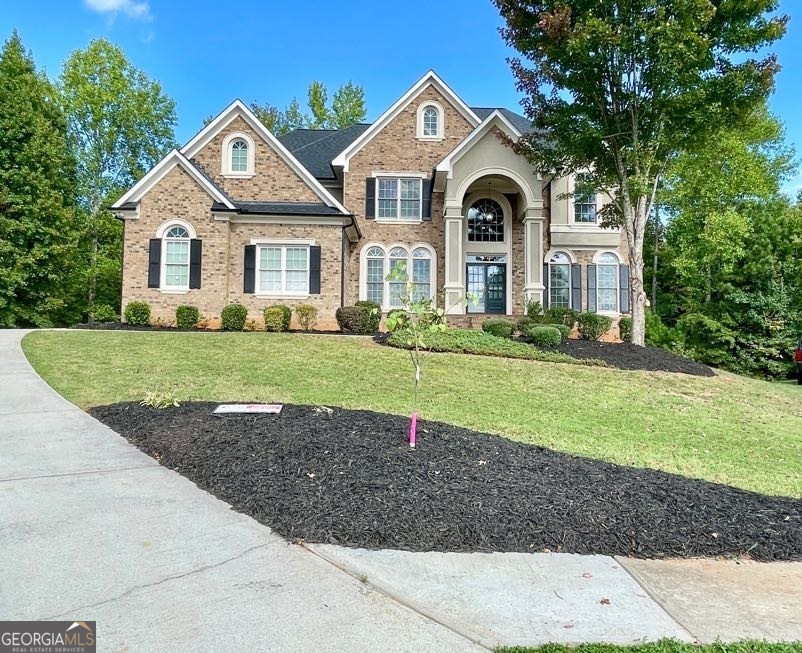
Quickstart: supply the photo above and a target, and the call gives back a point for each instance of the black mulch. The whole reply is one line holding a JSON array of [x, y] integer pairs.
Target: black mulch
[[626, 356], [350, 478]]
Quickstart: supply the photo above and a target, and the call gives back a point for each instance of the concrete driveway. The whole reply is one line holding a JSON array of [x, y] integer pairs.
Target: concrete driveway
[[93, 529]]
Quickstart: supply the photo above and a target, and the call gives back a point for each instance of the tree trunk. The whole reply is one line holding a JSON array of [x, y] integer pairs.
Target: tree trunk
[[92, 281], [637, 217]]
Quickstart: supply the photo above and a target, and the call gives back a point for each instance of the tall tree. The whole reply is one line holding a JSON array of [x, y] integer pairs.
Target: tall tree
[[318, 97], [348, 106], [37, 197], [120, 125], [623, 86]]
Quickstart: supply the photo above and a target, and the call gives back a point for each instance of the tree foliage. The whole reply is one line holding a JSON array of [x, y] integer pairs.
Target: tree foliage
[[347, 108], [37, 197], [120, 125], [621, 88]]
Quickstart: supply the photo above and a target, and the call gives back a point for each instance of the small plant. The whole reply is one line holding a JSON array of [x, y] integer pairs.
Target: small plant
[[534, 309], [187, 317], [625, 328], [525, 323], [593, 326], [307, 315], [104, 313], [233, 317], [559, 315], [251, 325], [162, 322], [159, 399], [499, 327], [203, 323], [137, 313], [564, 330], [277, 318], [373, 315], [545, 336]]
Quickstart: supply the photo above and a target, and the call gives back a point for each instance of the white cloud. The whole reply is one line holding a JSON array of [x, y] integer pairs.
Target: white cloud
[[131, 8]]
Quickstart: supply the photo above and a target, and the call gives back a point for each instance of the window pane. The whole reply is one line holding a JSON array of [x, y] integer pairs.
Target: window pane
[[410, 209], [559, 276], [410, 189], [388, 188], [398, 268], [388, 208], [297, 280], [375, 252], [397, 292], [270, 280], [607, 276], [177, 252], [559, 298], [430, 119], [177, 232], [176, 275], [375, 271], [239, 156], [376, 293], [486, 222], [607, 287], [584, 201], [270, 258], [608, 300], [296, 258], [421, 271]]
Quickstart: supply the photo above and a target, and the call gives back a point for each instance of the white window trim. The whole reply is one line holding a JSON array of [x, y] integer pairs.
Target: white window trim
[[440, 121], [398, 220], [161, 234], [572, 205], [363, 269], [570, 264], [225, 158], [596, 257], [262, 243]]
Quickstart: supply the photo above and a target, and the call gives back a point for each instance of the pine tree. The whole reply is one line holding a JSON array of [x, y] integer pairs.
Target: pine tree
[[37, 197]]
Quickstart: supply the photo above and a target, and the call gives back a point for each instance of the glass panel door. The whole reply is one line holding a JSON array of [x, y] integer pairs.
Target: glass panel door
[[494, 288], [476, 288], [486, 287]]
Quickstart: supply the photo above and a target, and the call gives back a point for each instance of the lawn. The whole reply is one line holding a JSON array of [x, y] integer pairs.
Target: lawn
[[726, 429], [663, 646]]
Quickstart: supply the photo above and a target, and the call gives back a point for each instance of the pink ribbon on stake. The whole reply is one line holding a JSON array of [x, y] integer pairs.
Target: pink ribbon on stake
[[413, 430]]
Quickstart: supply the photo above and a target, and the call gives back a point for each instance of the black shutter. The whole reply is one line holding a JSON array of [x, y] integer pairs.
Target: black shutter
[[154, 262], [623, 280], [591, 288], [195, 255], [249, 270], [370, 198], [576, 287], [426, 196], [314, 270], [545, 285]]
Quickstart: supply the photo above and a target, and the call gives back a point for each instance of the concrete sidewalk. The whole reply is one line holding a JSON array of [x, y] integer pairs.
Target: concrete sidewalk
[[93, 529]]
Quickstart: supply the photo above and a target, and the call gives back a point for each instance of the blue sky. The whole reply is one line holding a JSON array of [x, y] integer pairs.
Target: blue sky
[[206, 53]]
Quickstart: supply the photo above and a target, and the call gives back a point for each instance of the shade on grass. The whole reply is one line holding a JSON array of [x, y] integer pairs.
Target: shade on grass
[[663, 646], [727, 429]]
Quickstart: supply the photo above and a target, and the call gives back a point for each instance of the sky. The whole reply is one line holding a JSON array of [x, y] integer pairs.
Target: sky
[[207, 53]]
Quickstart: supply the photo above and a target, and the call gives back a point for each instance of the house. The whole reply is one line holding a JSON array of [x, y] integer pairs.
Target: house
[[322, 216]]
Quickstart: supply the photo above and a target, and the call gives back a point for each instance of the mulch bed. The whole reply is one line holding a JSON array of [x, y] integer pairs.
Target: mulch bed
[[349, 478], [626, 356]]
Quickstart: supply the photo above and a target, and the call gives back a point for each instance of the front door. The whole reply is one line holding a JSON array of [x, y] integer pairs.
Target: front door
[[486, 287]]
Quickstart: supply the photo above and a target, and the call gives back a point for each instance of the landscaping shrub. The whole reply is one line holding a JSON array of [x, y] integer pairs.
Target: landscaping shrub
[[499, 328], [104, 313], [187, 317], [374, 315], [545, 336], [564, 330], [137, 313], [471, 341], [233, 317], [362, 318], [306, 314], [593, 326], [277, 318], [565, 316], [534, 309], [526, 323], [625, 328]]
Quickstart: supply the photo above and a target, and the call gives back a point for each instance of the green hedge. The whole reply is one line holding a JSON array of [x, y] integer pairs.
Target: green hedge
[[362, 318], [137, 313], [625, 328], [187, 317], [593, 326], [471, 341], [104, 313], [546, 335], [566, 316], [373, 315], [233, 317], [307, 314], [499, 327], [277, 318]]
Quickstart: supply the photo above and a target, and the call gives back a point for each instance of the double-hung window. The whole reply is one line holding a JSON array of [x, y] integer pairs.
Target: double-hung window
[[584, 201], [560, 281], [607, 283], [399, 198], [283, 270], [176, 258]]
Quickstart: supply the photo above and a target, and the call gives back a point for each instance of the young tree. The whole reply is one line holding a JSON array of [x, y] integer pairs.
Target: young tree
[[317, 98], [37, 196], [622, 87], [120, 125], [348, 106]]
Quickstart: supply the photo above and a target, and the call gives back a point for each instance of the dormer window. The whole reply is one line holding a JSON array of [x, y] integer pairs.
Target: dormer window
[[430, 122], [238, 156]]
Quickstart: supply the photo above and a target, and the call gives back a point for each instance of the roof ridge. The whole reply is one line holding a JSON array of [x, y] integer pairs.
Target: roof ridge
[[323, 138]]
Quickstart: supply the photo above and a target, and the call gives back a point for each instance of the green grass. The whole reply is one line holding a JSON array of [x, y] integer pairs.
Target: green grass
[[727, 429], [470, 341], [663, 646]]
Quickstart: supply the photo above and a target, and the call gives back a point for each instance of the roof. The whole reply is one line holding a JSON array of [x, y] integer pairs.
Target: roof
[[315, 148], [286, 208], [518, 121]]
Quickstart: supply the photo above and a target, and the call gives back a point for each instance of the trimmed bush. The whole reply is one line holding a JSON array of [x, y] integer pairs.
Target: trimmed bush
[[353, 319], [277, 318], [593, 326], [527, 322], [306, 314], [566, 316], [104, 313], [233, 317], [137, 313], [374, 315], [625, 328], [534, 309], [499, 328], [471, 341], [564, 330], [187, 317], [545, 336]]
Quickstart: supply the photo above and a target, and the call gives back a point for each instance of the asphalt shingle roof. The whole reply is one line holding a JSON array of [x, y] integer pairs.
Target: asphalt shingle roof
[[518, 121], [316, 148], [286, 208]]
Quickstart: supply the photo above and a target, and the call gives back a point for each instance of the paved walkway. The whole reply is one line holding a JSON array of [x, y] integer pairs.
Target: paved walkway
[[93, 529]]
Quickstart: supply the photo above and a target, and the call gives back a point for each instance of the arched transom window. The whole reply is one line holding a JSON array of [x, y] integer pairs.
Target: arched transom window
[[559, 280], [175, 248], [486, 222], [239, 156], [607, 280], [430, 121], [388, 270]]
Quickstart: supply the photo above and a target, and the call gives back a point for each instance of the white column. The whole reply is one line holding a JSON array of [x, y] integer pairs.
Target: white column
[[455, 259], [533, 253]]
